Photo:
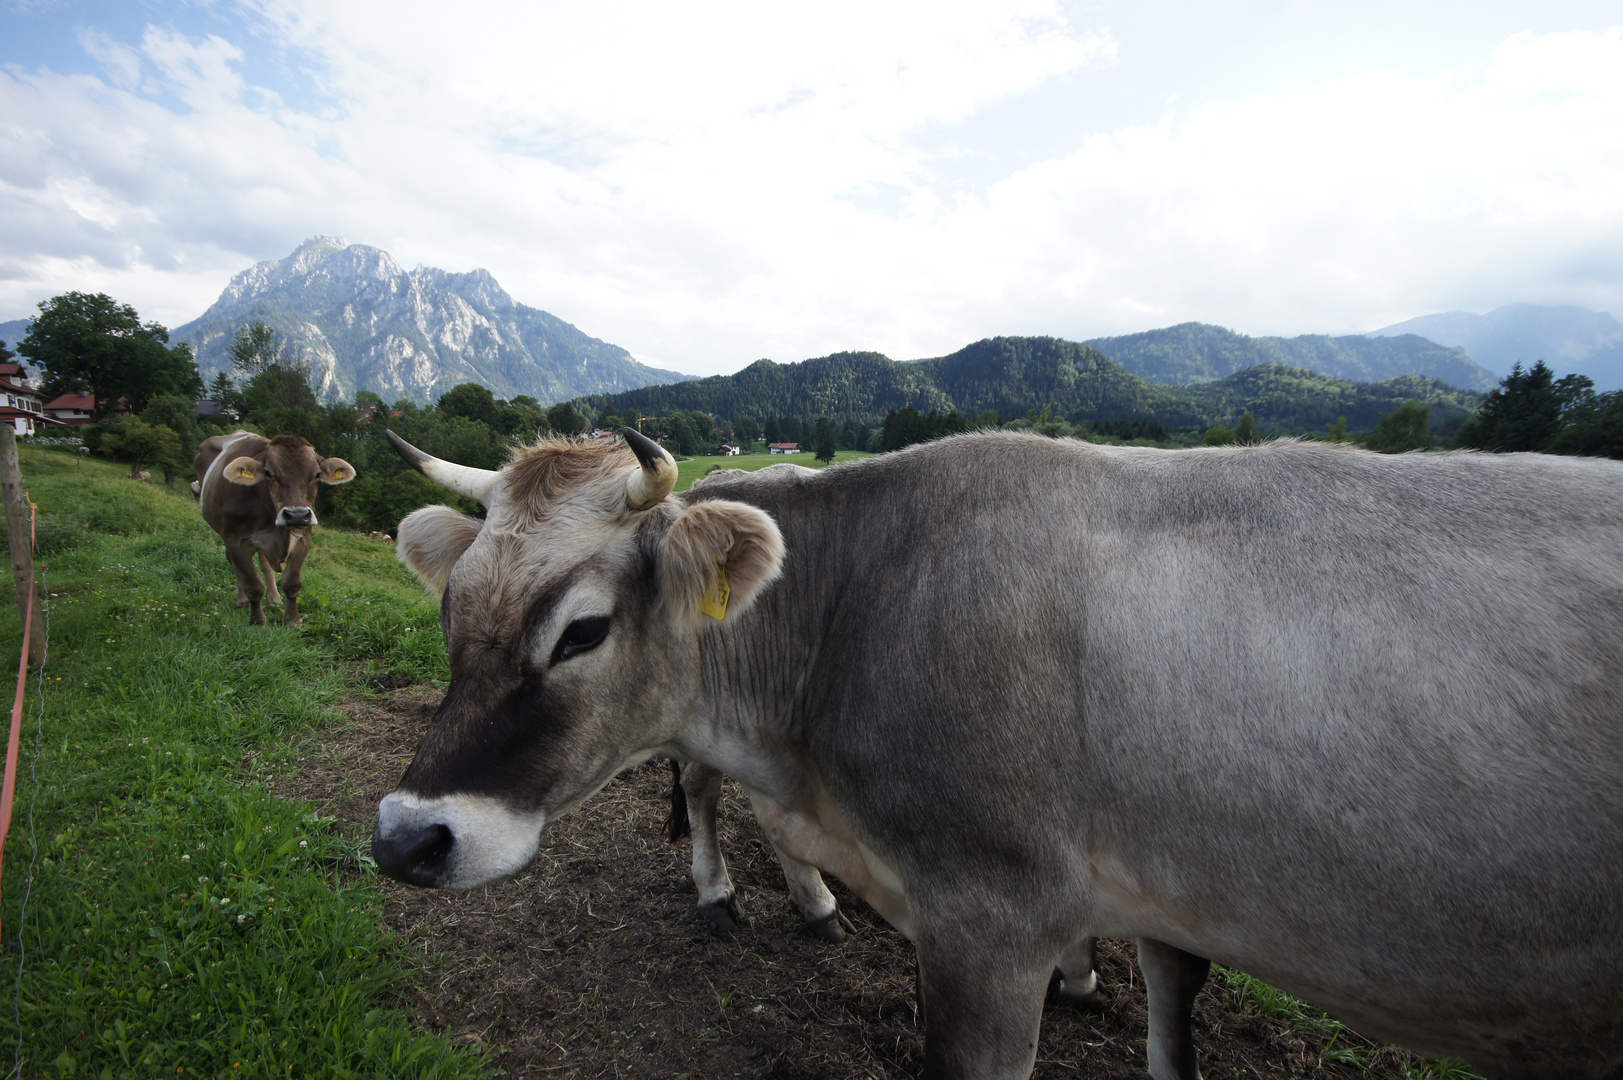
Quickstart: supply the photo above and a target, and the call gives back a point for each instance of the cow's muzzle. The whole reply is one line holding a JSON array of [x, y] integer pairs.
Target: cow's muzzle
[[294, 517], [453, 841], [417, 858]]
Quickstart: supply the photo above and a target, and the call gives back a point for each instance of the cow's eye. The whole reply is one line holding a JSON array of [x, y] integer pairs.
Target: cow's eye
[[582, 635]]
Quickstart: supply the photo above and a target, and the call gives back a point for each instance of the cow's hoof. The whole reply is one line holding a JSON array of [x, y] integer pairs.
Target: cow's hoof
[[723, 915], [832, 927], [242, 603], [293, 622], [1080, 993]]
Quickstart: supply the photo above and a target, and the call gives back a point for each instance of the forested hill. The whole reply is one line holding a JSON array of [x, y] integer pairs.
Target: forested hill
[[863, 385], [1198, 352], [1013, 375]]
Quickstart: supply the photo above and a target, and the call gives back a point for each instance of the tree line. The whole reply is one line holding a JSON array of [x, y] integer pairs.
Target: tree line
[[146, 394]]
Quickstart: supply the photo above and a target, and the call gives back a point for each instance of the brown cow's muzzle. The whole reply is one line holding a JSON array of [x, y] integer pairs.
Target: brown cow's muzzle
[[294, 517]]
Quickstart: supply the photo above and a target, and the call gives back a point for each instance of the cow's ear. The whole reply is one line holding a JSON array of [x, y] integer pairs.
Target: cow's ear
[[717, 557], [335, 470], [245, 470], [431, 540]]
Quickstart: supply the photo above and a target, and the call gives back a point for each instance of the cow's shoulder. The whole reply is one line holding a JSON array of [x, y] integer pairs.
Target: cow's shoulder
[[242, 443]]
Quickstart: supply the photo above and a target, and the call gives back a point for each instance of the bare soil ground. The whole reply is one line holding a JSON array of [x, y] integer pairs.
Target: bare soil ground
[[594, 963]]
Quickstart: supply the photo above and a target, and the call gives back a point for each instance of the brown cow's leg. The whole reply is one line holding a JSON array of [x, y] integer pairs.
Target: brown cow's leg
[[293, 579], [1172, 978], [249, 587], [982, 1005], [271, 596]]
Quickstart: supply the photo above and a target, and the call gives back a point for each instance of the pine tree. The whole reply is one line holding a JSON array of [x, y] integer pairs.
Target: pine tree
[[1523, 413], [825, 440]]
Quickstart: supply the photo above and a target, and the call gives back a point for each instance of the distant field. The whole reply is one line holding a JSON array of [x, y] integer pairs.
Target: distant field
[[690, 469]]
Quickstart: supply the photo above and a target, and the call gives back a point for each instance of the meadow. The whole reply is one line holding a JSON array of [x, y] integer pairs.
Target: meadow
[[163, 912], [175, 904]]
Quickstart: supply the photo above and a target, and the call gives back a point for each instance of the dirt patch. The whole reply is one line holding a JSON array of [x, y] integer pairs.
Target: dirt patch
[[594, 963]]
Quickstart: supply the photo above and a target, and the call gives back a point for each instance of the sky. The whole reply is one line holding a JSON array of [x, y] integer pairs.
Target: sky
[[708, 184]]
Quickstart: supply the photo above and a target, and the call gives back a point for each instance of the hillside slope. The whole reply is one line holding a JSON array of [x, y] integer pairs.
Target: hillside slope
[[1199, 352], [1013, 375]]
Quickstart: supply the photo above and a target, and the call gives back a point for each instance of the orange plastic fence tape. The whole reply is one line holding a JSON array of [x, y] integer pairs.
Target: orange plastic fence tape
[[9, 788]]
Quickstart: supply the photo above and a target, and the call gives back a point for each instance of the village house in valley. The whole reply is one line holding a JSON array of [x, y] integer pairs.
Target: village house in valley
[[21, 406], [75, 410]]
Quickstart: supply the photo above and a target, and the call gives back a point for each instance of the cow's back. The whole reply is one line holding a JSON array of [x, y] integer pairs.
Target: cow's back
[[218, 497], [1350, 722]]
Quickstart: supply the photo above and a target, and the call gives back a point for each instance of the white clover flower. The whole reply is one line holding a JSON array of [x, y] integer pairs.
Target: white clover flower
[[304, 843], [185, 858]]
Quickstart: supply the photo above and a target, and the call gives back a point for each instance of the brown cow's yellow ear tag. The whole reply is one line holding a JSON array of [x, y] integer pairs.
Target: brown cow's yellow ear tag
[[715, 601], [246, 475]]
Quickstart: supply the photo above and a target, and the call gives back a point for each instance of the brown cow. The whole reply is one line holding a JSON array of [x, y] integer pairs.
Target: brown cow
[[259, 495]]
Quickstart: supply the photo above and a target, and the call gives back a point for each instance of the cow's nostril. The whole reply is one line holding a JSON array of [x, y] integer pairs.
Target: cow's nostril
[[416, 858]]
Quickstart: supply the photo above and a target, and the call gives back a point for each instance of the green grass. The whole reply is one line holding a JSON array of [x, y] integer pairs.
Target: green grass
[[690, 469], [180, 919], [1345, 1047]]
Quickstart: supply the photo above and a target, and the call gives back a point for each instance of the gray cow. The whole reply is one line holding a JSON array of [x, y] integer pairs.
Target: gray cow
[[1348, 722], [259, 494]]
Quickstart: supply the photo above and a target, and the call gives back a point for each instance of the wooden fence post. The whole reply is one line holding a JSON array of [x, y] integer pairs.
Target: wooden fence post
[[19, 537]]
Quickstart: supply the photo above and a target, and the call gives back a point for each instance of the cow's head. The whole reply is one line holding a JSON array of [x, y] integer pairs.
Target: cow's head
[[573, 614], [290, 471]]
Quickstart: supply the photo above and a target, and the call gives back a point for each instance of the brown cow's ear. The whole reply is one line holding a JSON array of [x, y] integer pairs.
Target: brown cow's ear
[[717, 557], [431, 540], [245, 470], [335, 470]]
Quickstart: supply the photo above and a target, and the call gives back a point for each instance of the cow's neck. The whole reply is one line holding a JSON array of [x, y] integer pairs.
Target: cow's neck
[[277, 543], [760, 684]]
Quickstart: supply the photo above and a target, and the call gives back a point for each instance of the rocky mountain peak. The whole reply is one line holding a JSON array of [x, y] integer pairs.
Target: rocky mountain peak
[[367, 324]]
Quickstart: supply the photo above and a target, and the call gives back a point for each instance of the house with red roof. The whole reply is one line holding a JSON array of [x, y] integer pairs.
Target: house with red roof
[[21, 406], [75, 410]]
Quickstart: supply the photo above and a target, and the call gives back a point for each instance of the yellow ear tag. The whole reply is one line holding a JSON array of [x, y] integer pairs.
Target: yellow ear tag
[[715, 601]]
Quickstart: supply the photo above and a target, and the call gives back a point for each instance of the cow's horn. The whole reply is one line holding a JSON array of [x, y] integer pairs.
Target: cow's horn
[[462, 479], [657, 476]]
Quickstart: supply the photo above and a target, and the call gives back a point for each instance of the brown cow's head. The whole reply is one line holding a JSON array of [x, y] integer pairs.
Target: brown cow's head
[[573, 615], [290, 470]]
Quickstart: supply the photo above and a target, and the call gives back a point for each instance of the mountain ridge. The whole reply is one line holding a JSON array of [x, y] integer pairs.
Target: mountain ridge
[[365, 323], [1013, 375], [1195, 352], [1570, 339]]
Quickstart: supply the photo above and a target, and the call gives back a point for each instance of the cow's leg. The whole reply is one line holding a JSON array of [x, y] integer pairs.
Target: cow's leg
[[1172, 978], [293, 581], [250, 589], [1075, 980], [718, 902], [813, 900], [982, 1004], [270, 580]]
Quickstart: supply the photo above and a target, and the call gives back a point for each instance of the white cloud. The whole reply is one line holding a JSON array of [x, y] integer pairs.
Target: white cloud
[[707, 188]]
